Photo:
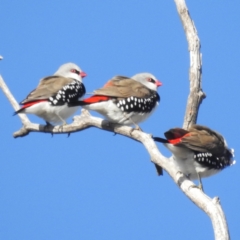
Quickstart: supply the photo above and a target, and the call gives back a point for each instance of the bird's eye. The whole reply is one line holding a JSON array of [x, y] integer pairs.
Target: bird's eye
[[75, 71], [151, 80]]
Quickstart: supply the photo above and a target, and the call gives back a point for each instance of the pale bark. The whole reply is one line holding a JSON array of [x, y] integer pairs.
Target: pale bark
[[210, 206], [196, 94]]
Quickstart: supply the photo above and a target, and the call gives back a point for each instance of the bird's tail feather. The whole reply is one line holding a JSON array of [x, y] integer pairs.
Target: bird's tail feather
[[161, 140], [21, 110], [76, 104]]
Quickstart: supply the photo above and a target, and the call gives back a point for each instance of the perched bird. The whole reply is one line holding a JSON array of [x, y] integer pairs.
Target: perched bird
[[49, 100], [199, 152], [125, 100]]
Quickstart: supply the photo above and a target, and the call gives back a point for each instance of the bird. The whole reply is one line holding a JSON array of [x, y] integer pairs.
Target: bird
[[124, 100], [199, 152], [49, 100]]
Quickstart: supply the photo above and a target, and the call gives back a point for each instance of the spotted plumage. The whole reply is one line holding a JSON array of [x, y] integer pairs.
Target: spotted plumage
[[49, 100], [138, 105], [125, 100], [211, 161], [67, 94], [199, 152]]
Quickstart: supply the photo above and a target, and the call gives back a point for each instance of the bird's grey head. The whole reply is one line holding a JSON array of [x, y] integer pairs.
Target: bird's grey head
[[148, 80], [71, 70]]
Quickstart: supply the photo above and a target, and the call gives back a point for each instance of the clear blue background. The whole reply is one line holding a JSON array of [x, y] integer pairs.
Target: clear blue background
[[94, 185]]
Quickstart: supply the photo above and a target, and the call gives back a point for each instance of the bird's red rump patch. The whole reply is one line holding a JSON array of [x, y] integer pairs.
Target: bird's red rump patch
[[95, 99], [178, 140], [29, 104], [109, 83], [175, 141]]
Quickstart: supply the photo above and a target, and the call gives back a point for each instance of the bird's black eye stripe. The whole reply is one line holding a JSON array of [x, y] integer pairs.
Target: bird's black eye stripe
[[151, 80], [75, 71]]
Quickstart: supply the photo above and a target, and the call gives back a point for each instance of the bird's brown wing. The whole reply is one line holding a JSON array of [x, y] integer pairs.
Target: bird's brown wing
[[47, 87], [203, 139], [123, 87]]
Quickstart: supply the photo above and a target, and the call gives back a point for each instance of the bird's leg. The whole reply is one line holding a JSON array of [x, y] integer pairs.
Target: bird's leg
[[127, 117], [200, 186], [48, 124], [200, 182], [60, 128], [48, 127], [179, 180], [135, 128]]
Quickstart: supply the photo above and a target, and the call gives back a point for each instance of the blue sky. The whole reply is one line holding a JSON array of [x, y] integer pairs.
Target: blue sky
[[94, 185]]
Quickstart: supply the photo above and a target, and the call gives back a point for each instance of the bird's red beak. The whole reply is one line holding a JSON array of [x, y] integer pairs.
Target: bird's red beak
[[158, 83], [83, 74]]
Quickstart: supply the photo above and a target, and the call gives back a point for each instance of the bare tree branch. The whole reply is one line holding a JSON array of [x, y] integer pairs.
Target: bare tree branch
[[196, 94], [12, 100], [210, 206]]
